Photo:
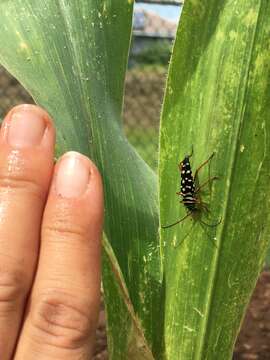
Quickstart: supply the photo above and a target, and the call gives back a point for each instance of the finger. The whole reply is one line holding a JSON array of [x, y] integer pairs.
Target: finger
[[26, 142], [63, 307]]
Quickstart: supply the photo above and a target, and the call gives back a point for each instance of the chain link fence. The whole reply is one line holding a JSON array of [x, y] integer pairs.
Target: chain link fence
[[143, 96], [11, 93], [143, 99]]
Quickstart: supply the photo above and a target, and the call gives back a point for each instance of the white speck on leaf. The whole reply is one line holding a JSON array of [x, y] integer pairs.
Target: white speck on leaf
[[188, 329], [199, 312]]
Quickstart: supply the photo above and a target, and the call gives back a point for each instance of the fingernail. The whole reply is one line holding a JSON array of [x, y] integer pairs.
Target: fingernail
[[72, 176], [26, 127]]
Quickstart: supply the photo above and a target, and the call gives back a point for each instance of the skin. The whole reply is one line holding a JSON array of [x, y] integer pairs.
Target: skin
[[50, 234]]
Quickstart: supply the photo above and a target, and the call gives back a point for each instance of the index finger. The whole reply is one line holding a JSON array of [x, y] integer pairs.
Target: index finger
[[64, 303]]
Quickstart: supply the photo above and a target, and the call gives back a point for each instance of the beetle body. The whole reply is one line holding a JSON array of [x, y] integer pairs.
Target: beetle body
[[187, 185], [190, 191]]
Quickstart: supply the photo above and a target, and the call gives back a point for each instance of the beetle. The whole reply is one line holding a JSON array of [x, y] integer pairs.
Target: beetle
[[190, 190]]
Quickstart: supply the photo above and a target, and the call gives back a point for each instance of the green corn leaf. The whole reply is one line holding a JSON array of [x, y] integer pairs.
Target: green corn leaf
[[71, 56], [217, 100], [130, 342]]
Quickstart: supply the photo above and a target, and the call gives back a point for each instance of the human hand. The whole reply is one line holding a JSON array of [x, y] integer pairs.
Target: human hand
[[50, 230]]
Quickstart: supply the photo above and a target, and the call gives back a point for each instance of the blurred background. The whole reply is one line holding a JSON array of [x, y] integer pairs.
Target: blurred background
[[154, 29]]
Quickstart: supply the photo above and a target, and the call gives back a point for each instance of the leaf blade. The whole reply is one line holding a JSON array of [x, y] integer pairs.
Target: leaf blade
[[71, 57], [211, 95]]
